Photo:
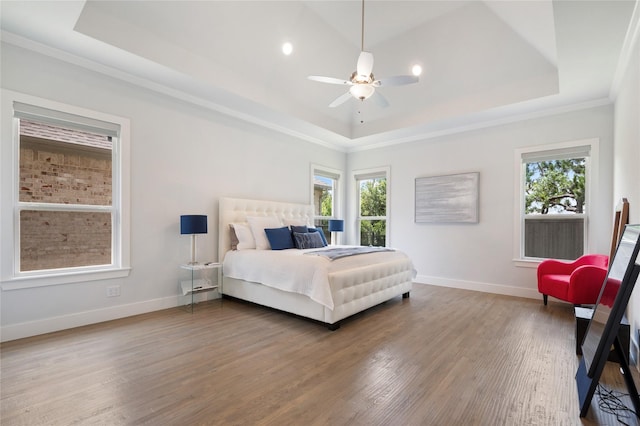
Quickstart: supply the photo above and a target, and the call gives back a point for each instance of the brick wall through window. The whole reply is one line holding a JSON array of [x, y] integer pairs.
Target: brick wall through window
[[64, 166]]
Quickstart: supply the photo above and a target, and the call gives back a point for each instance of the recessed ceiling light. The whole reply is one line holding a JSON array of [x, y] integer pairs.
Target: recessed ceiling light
[[287, 48], [416, 70]]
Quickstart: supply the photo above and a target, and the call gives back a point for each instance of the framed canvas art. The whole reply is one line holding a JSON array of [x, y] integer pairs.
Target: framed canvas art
[[447, 198]]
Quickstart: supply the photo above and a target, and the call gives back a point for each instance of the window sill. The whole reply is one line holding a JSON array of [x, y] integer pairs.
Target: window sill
[[526, 263], [18, 283]]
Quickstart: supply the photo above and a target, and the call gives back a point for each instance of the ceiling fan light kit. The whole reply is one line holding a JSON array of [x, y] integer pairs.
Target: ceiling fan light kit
[[363, 83], [362, 91]]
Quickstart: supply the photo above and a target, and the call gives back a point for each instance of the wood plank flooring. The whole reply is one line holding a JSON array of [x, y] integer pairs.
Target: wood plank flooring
[[442, 357]]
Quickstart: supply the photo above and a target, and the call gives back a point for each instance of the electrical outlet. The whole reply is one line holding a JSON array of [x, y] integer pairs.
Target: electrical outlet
[[113, 291]]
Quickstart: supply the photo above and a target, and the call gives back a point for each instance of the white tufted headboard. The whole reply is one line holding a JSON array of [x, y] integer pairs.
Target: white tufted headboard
[[236, 210]]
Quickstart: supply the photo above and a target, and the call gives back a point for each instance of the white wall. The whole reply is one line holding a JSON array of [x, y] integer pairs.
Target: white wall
[[626, 181], [480, 256], [627, 142], [183, 160]]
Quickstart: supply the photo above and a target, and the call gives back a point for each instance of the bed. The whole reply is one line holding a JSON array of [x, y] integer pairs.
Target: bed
[[330, 292]]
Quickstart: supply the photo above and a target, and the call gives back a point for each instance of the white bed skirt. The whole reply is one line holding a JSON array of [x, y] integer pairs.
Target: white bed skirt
[[354, 294]]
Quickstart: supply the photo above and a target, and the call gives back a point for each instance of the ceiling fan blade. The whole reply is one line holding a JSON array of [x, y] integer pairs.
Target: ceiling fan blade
[[365, 64], [340, 100], [380, 100], [398, 80], [330, 80]]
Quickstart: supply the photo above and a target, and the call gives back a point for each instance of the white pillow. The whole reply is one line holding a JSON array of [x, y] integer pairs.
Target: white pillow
[[244, 235], [258, 225]]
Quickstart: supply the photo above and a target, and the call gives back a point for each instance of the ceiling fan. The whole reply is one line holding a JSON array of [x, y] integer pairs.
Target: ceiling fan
[[363, 83]]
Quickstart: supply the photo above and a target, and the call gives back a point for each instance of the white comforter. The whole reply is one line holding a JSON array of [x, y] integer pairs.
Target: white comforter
[[293, 271]]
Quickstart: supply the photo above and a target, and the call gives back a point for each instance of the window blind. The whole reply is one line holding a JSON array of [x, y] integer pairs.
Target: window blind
[[557, 154], [59, 118]]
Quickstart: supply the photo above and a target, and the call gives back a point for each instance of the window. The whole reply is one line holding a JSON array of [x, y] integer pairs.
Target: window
[[325, 198], [70, 194], [554, 201], [65, 197], [372, 199]]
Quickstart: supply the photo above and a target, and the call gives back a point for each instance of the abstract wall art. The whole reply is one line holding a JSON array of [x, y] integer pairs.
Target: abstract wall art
[[447, 198]]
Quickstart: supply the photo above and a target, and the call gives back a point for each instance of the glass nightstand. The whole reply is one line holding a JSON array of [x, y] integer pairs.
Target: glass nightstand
[[198, 280]]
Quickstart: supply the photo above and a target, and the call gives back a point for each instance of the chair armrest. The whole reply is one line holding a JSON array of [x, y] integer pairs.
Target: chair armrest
[[600, 260], [586, 282], [552, 266]]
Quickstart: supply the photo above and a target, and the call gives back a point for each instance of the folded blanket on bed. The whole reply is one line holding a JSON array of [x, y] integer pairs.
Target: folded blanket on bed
[[339, 252]]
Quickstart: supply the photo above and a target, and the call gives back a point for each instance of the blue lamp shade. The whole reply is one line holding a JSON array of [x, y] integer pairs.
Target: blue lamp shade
[[336, 225], [193, 224]]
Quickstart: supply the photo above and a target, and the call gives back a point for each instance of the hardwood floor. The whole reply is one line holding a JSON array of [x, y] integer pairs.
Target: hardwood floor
[[442, 357]]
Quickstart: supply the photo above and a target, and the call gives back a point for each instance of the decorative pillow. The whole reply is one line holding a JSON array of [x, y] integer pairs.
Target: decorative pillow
[[243, 235], [308, 240], [299, 228], [321, 232], [279, 238], [258, 224], [233, 237]]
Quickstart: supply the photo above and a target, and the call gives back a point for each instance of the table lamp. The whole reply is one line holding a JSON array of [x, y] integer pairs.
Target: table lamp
[[335, 225], [193, 224]]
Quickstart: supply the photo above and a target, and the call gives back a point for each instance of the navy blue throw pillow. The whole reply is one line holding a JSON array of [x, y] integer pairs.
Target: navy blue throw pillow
[[300, 229], [279, 238]]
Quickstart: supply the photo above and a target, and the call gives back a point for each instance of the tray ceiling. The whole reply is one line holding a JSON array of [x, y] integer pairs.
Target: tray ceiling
[[481, 60]]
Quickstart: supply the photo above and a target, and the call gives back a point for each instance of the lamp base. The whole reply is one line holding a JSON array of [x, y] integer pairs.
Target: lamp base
[[334, 238], [193, 250]]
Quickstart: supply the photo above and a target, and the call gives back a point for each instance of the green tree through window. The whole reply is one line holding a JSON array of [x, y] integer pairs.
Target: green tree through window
[[373, 211], [326, 204], [556, 186]]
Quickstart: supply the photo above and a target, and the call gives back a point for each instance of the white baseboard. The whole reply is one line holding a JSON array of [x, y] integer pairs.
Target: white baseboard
[[479, 286], [48, 325]]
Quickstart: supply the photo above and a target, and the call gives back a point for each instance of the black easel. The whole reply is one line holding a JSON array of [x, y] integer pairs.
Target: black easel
[[586, 383]]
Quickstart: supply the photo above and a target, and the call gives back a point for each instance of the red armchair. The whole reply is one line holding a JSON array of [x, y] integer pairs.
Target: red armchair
[[578, 282]]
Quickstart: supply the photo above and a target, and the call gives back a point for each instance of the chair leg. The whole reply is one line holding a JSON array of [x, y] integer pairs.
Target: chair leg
[[544, 299]]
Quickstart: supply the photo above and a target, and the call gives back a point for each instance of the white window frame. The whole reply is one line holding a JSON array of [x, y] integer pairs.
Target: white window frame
[[336, 204], [359, 175], [10, 275], [591, 177]]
